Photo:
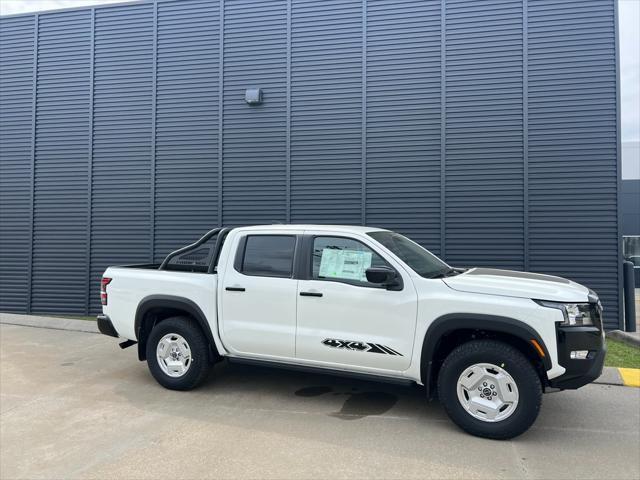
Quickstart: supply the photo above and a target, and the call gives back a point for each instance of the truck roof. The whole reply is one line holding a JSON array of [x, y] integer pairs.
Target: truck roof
[[333, 228]]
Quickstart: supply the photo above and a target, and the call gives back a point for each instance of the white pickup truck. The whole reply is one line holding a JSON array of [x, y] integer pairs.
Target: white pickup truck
[[363, 301]]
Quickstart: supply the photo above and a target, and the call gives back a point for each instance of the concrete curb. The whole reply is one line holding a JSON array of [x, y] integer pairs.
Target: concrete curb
[[630, 376], [69, 324], [630, 338], [624, 377], [610, 376]]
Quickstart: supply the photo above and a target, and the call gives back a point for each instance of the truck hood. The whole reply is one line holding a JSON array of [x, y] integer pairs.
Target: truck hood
[[518, 284]]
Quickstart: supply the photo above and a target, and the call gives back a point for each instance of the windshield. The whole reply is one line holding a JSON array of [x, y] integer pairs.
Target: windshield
[[419, 259]]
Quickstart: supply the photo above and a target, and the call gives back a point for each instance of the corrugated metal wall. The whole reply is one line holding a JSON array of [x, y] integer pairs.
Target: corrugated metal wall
[[486, 130], [17, 54]]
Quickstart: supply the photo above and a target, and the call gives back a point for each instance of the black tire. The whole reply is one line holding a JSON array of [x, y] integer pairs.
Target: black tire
[[200, 362], [509, 359]]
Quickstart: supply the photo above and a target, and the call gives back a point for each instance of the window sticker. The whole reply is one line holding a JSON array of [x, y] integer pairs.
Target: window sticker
[[345, 264]]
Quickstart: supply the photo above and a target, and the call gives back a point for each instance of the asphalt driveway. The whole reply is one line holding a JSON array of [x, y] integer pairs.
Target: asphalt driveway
[[73, 405]]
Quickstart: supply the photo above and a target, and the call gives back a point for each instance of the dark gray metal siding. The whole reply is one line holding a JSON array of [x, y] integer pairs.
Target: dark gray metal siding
[[17, 70], [254, 139], [326, 111], [403, 84], [122, 138], [573, 144], [487, 131], [186, 147], [483, 119], [61, 140]]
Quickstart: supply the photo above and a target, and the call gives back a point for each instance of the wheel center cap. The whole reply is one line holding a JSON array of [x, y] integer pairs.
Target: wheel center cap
[[173, 355], [487, 392]]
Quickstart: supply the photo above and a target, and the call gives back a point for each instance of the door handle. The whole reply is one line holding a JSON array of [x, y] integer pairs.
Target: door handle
[[234, 289], [310, 294]]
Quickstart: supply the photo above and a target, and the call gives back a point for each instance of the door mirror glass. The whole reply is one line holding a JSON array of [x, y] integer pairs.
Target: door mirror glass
[[383, 275]]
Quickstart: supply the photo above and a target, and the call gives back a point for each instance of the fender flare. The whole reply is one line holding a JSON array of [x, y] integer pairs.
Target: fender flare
[[169, 302], [449, 323]]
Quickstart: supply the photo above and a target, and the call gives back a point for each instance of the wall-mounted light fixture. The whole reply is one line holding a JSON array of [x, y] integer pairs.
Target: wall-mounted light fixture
[[253, 96]]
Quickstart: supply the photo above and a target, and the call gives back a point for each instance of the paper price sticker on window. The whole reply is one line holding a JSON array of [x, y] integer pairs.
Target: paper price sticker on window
[[345, 264]]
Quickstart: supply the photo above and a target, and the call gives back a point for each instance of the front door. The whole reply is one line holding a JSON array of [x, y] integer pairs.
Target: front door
[[258, 294], [345, 320]]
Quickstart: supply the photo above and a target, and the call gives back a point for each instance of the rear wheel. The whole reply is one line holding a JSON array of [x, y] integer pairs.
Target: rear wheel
[[178, 353], [490, 389]]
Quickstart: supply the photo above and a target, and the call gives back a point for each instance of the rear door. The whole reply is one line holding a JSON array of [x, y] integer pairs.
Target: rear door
[[259, 293], [344, 320]]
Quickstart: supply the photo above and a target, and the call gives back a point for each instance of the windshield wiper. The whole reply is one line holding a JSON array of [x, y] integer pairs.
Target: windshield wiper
[[445, 273], [448, 272]]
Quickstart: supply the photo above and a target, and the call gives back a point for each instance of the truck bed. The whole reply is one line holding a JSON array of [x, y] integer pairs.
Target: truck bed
[[132, 285]]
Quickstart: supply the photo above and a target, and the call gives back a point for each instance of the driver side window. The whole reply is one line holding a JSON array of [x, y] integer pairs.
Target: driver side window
[[344, 260]]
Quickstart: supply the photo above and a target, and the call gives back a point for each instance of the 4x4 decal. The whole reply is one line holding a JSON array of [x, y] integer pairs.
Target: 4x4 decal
[[359, 346]]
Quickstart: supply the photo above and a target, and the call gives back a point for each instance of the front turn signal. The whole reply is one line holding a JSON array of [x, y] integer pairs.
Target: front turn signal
[[538, 348]]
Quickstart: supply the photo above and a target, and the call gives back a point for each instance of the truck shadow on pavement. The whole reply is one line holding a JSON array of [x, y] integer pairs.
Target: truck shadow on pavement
[[358, 398], [265, 388], [357, 405]]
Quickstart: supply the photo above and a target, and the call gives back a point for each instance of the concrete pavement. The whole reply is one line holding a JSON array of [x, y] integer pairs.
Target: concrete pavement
[[73, 405]]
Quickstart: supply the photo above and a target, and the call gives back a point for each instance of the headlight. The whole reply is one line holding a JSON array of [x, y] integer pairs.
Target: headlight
[[575, 314]]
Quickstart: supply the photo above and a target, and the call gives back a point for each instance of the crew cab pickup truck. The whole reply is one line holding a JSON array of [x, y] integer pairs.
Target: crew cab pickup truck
[[363, 301]]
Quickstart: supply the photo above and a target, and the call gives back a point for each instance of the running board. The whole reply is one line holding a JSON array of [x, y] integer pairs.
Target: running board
[[372, 377]]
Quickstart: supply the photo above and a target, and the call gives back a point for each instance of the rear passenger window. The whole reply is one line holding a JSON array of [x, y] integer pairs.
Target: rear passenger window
[[269, 255]]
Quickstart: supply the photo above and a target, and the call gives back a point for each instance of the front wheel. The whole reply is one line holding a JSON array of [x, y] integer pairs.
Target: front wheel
[[490, 389], [178, 353]]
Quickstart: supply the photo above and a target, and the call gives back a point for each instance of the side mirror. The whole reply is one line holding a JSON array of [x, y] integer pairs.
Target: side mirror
[[382, 275]]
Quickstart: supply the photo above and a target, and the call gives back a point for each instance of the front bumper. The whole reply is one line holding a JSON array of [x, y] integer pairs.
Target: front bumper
[[579, 372], [106, 327]]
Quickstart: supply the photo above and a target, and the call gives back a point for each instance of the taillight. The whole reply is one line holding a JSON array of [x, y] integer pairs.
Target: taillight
[[103, 290]]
